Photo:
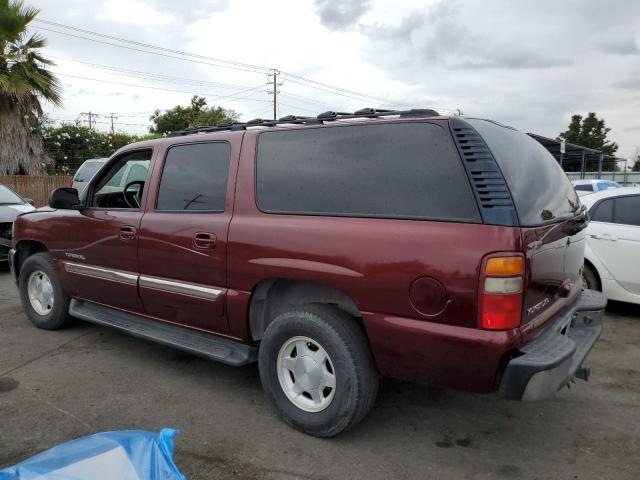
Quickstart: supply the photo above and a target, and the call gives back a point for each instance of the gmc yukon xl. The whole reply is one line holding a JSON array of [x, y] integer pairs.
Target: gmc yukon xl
[[332, 250]]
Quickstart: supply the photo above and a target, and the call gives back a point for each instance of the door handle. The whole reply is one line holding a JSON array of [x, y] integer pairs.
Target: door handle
[[204, 241], [604, 236], [127, 233]]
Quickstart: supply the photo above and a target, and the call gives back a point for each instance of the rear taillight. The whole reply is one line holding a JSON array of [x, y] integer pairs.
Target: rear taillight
[[501, 291]]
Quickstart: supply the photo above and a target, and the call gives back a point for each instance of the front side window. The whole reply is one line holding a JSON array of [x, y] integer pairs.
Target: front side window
[[194, 178], [123, 183], [395, 170]]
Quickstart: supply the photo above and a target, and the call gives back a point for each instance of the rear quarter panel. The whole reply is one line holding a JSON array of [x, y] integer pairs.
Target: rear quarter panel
[[373, 261]]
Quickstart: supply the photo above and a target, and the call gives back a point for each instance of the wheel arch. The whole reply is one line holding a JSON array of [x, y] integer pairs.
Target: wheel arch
[[589, 264], [272, 294], [24, 249]]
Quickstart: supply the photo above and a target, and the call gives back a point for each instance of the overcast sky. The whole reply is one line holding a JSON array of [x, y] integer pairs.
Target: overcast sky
[[529, 64]]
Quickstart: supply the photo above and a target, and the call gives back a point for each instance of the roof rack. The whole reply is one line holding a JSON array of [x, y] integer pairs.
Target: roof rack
[[321, 118]]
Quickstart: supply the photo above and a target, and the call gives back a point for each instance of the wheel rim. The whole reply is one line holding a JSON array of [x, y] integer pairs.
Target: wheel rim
[[40, 291], [306, 374]]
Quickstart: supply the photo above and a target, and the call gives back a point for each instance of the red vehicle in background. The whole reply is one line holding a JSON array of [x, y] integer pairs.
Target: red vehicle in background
[[332, 250]]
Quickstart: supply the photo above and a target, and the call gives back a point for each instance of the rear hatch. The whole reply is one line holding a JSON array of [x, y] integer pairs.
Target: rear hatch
[[551, 217]]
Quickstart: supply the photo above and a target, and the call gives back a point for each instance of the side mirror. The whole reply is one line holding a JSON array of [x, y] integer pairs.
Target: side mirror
[[64, 199], [30, 201]]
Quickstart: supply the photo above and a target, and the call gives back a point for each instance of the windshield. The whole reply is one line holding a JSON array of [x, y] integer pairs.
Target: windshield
[[7, 197], [541, 191], [87, 170]]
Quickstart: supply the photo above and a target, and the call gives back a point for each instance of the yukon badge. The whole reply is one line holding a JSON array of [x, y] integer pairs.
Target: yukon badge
[[77, 256], [538, 306]]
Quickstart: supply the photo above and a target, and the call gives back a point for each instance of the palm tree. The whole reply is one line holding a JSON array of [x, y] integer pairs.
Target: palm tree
[[24, 82]]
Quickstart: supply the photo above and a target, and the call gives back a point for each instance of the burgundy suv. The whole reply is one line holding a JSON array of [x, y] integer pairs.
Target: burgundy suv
[[332, 250]]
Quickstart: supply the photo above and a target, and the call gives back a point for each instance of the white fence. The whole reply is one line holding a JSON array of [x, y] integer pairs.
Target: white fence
[[629, 178]]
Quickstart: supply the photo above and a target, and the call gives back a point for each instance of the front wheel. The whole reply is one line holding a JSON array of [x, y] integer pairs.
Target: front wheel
[[42, 296], [317, 369]]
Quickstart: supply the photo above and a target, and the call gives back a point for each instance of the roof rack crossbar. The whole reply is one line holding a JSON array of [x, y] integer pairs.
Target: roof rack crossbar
[[328, 116]]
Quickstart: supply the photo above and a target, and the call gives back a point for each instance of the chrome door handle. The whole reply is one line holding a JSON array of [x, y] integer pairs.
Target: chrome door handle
[[204, 241], [127, 233]]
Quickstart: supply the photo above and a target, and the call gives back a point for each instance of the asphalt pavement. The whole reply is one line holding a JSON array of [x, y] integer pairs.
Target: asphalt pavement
[[57, 386]]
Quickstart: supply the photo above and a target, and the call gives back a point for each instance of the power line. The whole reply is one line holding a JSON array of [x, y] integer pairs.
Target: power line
[[150, 75], [147, 51], [310, 83], [257, 68], [166, 89]]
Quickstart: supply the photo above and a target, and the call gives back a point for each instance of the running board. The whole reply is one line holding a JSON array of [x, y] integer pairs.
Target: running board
[[198, 343]]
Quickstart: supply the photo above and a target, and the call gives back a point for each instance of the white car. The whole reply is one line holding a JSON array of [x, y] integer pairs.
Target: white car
[[587, 187], [86, 172], [612, 256]]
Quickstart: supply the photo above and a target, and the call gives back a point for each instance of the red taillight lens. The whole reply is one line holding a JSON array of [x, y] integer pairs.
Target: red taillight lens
[[501, 312], [501, 291]]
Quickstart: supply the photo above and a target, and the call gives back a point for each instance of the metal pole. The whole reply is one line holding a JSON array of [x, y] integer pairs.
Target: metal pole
[[583, 165], [625, 172], [600, 160], [561, 158]]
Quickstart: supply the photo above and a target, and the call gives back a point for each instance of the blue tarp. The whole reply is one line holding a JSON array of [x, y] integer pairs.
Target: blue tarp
[[122, 455]]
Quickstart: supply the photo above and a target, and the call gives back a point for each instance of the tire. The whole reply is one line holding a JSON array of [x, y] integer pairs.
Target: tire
[[590, 279], [45, 314], [350, 361]]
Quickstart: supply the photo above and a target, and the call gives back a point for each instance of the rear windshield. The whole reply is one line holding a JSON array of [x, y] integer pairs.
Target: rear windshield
[[87, 170], [541, 191], [395, 170]]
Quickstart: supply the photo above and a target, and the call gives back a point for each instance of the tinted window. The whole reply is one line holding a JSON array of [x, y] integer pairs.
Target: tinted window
[[603, 212], [195, 178], [402, 170], [586, 188], [541, 191], [627, 210]]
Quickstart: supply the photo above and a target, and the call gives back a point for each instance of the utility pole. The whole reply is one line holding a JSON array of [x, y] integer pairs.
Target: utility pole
[[273, 81], [112, 117], [91, 117]]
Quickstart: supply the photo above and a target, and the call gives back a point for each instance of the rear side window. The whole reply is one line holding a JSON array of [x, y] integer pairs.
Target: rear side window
[[401, 170], [585, 188], [541, 191], [627, 210], [603, 212], [194, 178]]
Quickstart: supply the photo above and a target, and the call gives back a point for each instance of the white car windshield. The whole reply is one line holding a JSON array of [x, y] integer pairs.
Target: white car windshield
[[7, 197]]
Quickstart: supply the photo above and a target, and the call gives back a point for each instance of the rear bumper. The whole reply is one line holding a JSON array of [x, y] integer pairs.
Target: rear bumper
[[555, 357]]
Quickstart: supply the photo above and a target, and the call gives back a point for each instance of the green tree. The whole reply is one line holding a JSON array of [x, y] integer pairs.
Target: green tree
[[70, 144], [24, 82], [194, 115], [636, 165], [590, 132]]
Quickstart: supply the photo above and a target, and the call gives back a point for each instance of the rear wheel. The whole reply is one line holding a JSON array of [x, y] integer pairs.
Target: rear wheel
[[590, 279], [317, 369], [41, 293]]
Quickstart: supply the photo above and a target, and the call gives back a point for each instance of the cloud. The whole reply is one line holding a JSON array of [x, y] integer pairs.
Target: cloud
[[628, 84], [444, 36], [623, 45], [340, 14]]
